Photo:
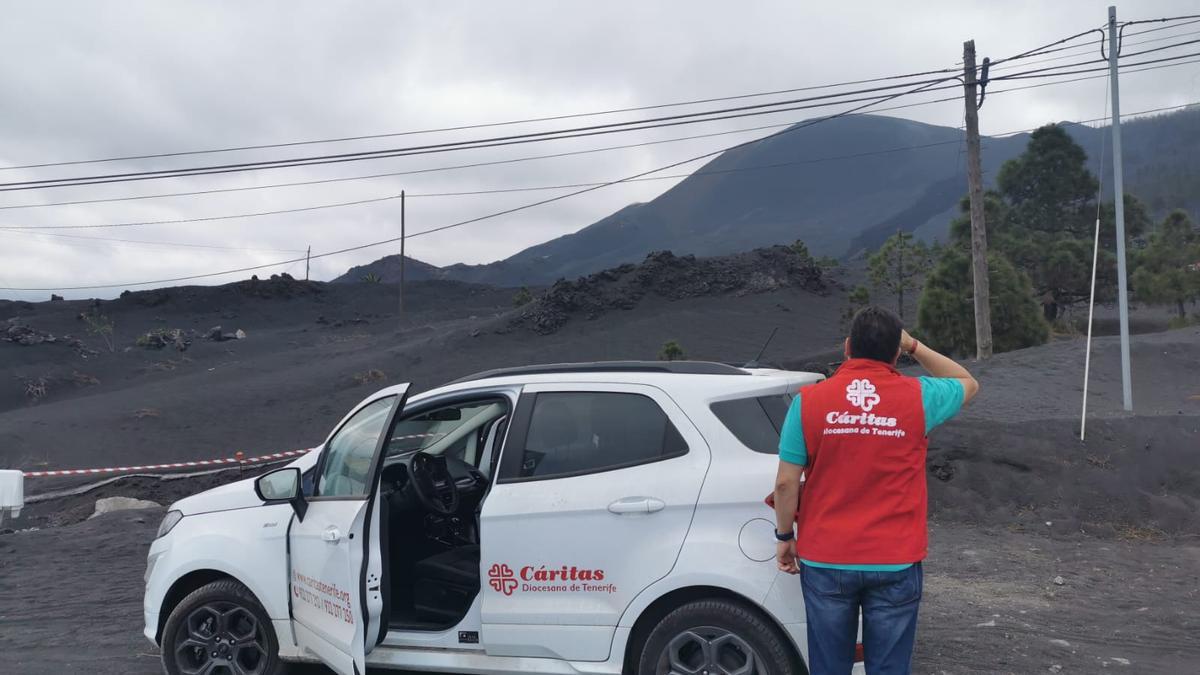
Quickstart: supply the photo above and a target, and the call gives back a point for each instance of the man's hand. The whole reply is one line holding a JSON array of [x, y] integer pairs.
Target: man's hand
[[940, 366], [785, 557]]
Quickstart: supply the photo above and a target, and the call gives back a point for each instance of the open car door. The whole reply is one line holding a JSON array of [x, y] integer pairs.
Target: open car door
[[335, 562]]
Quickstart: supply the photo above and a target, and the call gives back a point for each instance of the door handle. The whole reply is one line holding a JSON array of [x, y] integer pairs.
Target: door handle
[[636, 505], [331, 534]]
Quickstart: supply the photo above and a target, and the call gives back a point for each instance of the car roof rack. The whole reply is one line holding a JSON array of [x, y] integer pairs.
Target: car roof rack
[[676, 367]]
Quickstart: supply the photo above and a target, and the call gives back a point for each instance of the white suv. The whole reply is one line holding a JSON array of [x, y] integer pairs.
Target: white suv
[[579, 518]]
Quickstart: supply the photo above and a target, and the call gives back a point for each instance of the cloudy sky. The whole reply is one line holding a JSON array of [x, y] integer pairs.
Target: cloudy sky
[[94, 80]]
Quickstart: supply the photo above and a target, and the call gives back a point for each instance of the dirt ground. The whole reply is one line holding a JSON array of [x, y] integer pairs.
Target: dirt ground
[[72, 601], [1017, 500]]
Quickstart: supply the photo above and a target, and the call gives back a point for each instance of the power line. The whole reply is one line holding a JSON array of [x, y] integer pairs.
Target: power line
[[420, 150], [556, 198], [487, 142], [179, 221], [1083, 49], [169, 244], [495, 141], [1048, 48], [1037, 74], [491, 215], [485, 125], [1162, 20], [593, 185], [426, 170], [777, 165], [552, 118], [395, 196], [400, 173]]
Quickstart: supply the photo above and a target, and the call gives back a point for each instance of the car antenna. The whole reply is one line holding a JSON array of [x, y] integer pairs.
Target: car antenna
[[754, 362]]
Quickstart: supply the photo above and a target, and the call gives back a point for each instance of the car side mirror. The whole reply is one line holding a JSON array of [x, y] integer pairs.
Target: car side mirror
[[282, 485]]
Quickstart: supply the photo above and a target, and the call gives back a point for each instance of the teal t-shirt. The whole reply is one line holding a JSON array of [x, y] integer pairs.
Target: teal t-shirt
[[941, 397]]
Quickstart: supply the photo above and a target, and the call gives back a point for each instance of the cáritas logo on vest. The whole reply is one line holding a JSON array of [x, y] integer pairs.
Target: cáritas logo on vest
[[862, 393]]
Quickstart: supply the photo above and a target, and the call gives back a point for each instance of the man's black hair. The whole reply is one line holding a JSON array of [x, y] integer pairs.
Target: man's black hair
[[875, 334]]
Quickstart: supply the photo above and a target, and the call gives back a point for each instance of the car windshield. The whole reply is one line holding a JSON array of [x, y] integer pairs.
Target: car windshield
[[451, 430]]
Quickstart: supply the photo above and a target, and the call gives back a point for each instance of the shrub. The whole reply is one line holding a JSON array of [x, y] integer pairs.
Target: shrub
[[523, 297], [83, 379], [372, 375], [101, 326], [36, 388], [671, 351]]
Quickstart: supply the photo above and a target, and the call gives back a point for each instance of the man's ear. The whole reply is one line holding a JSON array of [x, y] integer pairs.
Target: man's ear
[[846, 348]]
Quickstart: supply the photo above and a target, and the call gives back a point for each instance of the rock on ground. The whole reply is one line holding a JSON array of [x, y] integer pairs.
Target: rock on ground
[[111, 504]]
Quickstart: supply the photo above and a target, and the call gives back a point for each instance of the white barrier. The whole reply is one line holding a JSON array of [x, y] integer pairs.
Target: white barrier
[[12, 493]]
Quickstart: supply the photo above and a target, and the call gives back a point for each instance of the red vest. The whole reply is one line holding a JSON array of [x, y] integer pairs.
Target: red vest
[[865, 497]]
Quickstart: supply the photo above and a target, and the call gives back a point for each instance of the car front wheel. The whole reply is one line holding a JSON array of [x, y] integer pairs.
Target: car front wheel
[[715, 637], [220, 629]]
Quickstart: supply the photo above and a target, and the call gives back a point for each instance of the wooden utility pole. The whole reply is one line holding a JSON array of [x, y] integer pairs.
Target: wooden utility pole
[[979, 262], [307, 257], [402, 235]]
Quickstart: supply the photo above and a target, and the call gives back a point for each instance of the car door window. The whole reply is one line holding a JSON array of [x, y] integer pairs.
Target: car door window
[[348, 456], [574, 433]]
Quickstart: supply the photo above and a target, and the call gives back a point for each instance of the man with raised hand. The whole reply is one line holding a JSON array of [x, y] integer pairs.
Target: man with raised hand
[[856, 443]]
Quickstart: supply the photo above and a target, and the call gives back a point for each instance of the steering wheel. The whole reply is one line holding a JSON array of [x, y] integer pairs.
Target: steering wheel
[[434, 486]]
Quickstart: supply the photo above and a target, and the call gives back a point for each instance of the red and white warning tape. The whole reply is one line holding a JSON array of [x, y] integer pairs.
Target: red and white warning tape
[[238, 459], [174, 465]]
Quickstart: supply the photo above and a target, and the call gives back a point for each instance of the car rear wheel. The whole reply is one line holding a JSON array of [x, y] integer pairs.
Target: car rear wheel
[[220, 629], [715, 637]]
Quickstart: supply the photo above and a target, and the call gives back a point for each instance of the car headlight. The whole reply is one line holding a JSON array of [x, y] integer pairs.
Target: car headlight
[[169, 522]]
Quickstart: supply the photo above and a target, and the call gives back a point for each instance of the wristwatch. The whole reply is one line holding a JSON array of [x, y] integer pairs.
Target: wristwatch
[[788, 536]]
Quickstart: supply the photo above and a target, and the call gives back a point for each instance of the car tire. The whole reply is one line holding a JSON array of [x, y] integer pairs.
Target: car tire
[[222, 623], [739, 634]]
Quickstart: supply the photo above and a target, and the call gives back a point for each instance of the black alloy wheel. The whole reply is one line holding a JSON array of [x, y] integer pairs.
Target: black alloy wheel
[[719, 636], [220, 629]]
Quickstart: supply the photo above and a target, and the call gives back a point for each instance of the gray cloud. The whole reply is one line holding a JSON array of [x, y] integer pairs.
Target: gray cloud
[[84, 80]]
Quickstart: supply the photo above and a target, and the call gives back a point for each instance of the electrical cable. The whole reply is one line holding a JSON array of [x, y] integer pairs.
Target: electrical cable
[[138, 176], [557, 198], [427, 170], [1083, 49], [487, 142], [1162, 20], [1036, 75], [575, 132], [169, 244], [390, 197], [478, 126], [497, 213]]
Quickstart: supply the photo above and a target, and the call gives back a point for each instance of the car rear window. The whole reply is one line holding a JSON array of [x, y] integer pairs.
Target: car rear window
[[756, 421]]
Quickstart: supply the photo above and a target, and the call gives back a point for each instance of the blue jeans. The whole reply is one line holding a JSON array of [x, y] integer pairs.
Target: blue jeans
[[888, 601]]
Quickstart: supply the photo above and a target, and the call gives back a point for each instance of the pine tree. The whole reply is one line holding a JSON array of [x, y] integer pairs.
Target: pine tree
[[857, 299], [946, 313], [1042, 218], [1166, 270], [899, 266]]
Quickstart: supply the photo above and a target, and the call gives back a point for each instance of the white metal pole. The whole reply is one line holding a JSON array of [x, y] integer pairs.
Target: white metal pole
[[1087, 359], [1119, 202]]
